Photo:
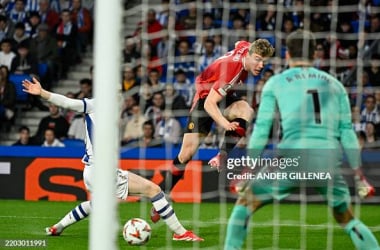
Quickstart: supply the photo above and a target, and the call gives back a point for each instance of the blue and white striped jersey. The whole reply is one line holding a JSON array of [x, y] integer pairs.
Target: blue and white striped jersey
[[85, 106]]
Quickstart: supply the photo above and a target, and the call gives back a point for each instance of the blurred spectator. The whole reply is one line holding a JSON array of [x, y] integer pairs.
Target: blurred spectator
[[357, 124], [187, 17], [59, 5], [149, 86], [215, 7], [374, 70], [6, 28], [267, 22], [361, 138], [344, 42], [236, 31], [31, 25], [184, 87], [48, 15], [146, 94], [168, 129], [19, 36], [77, 129], [366, 90], [244, 13], [130, 53], [6, 53], [208, 23], [321, 60], [154, 112], [219, 48], [153, 27], [147, 139], [370, 112], [83, 20], [298, 15], [24, 63], [154, 81], [153, 62], [44, 47], [184, 60], [163, 14], [287, 28], [372, 41], [175, 101], [85, 91], [370, 132], [267, 73], [126, 113], [319, 21], [208, 57], [50, 140], [7, 102], [133, 128], [68, 113], [18, 13], [23, 137], [377, 98], [66, 34], [31, 5], [53, 121], [129, 78], [163, 47]]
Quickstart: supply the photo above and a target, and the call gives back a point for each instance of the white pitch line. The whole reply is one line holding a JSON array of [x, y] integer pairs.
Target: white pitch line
[[287, 223]]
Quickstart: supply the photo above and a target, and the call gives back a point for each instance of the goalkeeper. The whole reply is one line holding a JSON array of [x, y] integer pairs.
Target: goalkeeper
[[316, 122]]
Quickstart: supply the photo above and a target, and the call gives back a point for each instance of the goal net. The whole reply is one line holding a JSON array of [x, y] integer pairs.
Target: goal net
[[179, 39]]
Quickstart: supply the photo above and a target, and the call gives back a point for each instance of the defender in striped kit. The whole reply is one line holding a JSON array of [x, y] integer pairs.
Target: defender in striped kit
[[126, 182]]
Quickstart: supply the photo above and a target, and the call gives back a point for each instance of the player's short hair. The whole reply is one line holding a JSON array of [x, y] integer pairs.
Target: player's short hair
[[301, 44], [261, 47]]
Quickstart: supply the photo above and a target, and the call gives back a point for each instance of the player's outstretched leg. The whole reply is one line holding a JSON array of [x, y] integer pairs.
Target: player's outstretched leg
[[237, 228], [141, 186], [78, 213], [361, 236], [176, 171], [173, 175]]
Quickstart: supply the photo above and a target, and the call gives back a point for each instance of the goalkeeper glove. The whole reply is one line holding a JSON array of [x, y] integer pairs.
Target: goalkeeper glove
[[364, 189]]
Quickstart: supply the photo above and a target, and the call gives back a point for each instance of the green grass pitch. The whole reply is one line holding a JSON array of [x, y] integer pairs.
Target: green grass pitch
[[27, 220]]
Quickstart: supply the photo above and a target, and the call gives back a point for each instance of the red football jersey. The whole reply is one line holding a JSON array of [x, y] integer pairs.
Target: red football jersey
[[223, 73]]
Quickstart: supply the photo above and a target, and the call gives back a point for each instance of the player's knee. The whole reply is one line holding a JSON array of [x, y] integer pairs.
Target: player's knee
[[342, 214], [185, 156], [240, 109], [152, 190]]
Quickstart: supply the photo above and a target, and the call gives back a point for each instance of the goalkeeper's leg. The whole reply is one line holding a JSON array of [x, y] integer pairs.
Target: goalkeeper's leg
[[237, 227], [361, 236]]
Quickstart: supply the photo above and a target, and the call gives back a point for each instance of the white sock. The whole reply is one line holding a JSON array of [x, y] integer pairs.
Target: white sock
[[165, 210], [78, 213]]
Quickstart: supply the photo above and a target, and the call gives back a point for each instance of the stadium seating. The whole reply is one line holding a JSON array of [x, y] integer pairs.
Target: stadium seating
[[16, 79]]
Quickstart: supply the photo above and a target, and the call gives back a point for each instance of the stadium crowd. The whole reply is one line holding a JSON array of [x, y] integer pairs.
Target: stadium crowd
[[157, 80]]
